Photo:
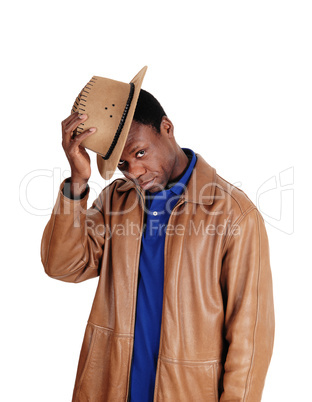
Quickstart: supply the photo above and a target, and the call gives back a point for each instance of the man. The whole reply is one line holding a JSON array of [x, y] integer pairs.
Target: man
[[184, 308]]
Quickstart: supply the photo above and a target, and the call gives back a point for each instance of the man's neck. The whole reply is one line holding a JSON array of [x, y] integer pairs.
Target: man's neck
[[181, 164], [186, 162]]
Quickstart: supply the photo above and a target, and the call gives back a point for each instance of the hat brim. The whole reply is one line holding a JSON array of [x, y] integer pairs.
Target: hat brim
[[107, 167]]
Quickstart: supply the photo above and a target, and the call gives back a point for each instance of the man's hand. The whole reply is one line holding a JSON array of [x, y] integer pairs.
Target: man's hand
[[77, 156]]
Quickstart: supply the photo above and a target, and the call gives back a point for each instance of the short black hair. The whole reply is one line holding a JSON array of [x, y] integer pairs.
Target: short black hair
[[148, 110]]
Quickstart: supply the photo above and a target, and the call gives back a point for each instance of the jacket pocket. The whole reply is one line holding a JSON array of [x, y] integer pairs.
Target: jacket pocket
[[103, 368], [85, 355], [186, 381]]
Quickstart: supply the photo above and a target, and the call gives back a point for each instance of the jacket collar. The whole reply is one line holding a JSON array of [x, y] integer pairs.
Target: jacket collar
[[200, 188]]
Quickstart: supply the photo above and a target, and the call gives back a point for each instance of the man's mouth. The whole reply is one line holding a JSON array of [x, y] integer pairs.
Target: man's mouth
[[148, 184]]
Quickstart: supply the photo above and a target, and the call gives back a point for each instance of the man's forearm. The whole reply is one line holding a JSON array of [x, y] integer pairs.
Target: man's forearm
[[70, 250]]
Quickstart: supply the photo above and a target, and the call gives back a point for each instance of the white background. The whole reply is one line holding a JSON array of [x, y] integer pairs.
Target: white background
[[235, 79]]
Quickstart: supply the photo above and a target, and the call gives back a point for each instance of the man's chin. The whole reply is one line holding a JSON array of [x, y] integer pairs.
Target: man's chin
[[152, 186], [149, 185]]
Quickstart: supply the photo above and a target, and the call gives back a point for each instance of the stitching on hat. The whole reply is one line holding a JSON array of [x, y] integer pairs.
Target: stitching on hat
[[80, 102], [121, 123]]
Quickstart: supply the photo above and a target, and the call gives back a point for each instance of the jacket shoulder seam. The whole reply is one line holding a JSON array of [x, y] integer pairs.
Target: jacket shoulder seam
[[115, 182], [237, 222], [220, 186], [231, 195], [102, 195]]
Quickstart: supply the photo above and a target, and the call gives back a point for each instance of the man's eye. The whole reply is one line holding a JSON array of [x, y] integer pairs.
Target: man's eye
[[140, 153], [121, 162]]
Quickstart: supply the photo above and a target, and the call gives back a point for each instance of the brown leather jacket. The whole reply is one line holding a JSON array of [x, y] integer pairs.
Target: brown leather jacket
[[218, 319]]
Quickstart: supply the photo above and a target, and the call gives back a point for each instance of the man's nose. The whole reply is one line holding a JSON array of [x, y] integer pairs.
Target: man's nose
[[135, 170]]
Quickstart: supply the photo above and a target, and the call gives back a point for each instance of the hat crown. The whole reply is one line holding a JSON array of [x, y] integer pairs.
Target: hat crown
[[104, 101], [110, 106]]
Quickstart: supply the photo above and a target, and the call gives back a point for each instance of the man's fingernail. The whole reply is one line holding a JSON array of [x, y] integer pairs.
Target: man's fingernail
[[92, 130], [82, 116]]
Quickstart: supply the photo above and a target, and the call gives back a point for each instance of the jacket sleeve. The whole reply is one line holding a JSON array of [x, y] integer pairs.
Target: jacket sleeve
[[73, 239], [249, 314]]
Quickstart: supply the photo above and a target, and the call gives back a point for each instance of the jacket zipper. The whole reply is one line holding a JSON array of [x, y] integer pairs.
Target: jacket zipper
[[180, 202], [136, 288]]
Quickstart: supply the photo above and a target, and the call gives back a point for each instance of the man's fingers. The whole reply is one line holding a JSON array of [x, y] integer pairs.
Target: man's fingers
[[69, 119], [77, 118], [79, 138], [75, 123], [69, 125]]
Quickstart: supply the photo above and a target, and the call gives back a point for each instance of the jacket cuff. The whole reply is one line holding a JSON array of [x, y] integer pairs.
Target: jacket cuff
[[65, 188]]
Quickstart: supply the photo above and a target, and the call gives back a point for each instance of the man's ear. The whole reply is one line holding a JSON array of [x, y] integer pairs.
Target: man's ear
[[166, 127]]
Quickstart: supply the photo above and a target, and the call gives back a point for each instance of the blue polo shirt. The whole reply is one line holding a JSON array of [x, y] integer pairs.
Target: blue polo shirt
[[150, 286]]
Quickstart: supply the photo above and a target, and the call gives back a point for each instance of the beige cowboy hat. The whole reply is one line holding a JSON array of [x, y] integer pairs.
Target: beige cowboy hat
[[110, 107]]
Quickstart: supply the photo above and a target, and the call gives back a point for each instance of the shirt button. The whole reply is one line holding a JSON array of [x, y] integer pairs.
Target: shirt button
[[155, 213]]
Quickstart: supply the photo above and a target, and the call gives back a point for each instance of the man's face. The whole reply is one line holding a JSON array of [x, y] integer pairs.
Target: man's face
[[148, 157]]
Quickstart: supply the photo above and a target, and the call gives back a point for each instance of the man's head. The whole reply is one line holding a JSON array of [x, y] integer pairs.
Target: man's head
[[151, 157], [148, 111]]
